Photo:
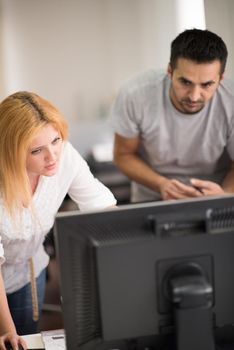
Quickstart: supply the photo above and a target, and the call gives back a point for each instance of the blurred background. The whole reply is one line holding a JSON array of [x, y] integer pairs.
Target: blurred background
[[77, 53]]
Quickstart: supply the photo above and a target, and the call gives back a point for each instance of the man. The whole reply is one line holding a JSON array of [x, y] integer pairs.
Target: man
[[174, 132]]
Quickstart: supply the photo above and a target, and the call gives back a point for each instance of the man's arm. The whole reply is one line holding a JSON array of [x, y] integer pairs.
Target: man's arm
[[228, 182], [129, 162], [126, 157]]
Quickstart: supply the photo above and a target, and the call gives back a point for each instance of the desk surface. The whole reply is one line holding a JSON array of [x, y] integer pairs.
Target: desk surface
[[34, 341], [50, 340]]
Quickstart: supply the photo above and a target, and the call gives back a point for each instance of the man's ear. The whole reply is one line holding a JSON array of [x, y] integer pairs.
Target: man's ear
[[169, 70], [222, 76]]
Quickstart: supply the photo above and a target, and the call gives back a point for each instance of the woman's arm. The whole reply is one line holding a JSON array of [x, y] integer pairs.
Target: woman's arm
[[7, 328]]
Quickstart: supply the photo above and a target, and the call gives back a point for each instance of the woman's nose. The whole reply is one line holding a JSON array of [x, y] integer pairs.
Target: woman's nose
[[50, 155]]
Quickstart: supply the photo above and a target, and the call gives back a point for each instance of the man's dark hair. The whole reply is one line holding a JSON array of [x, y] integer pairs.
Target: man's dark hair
[[198, 45]]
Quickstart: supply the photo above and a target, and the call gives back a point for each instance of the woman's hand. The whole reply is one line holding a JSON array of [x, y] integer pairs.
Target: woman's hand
[[14, 339]]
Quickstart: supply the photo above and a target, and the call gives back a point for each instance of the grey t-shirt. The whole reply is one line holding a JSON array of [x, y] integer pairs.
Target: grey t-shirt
[[175, 144]]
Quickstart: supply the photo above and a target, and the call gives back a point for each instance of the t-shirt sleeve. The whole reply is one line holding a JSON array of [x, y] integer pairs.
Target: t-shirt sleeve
[[87, 191], [125, 113]]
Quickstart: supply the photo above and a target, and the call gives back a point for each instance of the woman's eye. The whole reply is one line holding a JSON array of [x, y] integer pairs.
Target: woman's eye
[[56, 140], [36, 151]]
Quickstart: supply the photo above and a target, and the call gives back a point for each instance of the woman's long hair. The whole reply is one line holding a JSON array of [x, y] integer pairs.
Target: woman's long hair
[[22, 115]]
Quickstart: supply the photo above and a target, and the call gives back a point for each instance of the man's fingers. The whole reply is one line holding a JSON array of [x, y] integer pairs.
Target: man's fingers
[[186, 190]]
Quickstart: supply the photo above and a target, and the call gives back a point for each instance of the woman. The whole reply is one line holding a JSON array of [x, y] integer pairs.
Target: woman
[[38, 167]]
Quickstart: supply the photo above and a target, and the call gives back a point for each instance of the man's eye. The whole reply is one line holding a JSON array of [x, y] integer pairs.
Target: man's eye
[[185, 82], [36, 151], [206, 85]]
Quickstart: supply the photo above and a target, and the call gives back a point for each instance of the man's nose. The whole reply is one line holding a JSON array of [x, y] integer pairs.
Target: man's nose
[[195, 93]]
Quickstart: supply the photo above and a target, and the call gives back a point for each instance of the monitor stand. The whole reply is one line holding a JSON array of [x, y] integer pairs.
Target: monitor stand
[[192, 297]]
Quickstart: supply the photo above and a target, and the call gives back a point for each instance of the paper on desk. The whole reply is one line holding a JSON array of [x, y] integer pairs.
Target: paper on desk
[[54, 340]]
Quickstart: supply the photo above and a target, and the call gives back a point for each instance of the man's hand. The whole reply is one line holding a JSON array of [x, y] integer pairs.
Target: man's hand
[[208, 188], [174, 189]]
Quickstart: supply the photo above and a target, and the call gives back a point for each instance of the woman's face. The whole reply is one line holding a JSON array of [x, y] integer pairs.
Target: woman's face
[[44, 152]]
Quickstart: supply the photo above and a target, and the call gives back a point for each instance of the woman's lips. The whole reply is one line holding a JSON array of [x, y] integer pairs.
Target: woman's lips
[[51, 166]]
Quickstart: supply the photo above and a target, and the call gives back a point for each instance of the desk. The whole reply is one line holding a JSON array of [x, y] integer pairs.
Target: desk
[[50, 340], [34, 341]]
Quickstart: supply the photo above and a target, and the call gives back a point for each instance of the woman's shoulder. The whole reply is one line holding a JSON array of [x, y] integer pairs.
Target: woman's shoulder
[[68, 151], [70, 157]]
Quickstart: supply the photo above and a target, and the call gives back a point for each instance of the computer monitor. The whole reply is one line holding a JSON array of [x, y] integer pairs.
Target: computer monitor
[[148, 276]]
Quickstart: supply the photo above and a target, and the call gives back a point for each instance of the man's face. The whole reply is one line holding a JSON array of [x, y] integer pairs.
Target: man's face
[[193, 84]]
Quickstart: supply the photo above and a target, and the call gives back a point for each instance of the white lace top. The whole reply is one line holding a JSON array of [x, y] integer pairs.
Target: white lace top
[[23, 238]]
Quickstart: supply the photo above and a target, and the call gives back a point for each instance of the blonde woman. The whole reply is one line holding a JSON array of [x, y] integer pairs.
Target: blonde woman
[[38, 167]]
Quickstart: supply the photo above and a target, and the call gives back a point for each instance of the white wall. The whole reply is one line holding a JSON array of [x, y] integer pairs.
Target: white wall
[[54, 47], [77, 53], [220, 19]]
